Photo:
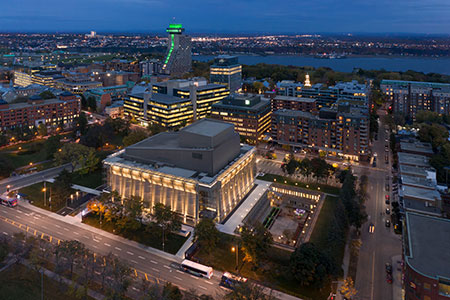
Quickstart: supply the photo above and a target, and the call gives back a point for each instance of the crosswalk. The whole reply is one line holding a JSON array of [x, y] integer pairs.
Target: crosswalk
[[269, 167]]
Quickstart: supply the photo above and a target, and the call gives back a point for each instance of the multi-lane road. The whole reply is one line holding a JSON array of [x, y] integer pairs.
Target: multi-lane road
[[380, 246], [139, 258]]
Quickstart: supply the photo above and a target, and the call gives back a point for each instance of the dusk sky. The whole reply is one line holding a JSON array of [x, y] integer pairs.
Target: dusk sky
[[228, 16]]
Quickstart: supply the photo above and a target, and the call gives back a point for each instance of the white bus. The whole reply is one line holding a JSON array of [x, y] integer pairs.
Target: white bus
[[196, 269]]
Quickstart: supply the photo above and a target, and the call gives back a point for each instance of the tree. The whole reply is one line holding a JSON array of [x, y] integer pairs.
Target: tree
[[320, 168], [92, 104], [120, 274], [291, 166], [248, 291], [306, 168], [51, 145], [309, 266], [206, 234], [348, 288], [6, 166], [435, 134], [81, 123], [256, 242], [71, 251], [77, 154], [166, 219], [42, 130], [155, 128], [119, 126], [47, 95], [61, 189], [134, 137]]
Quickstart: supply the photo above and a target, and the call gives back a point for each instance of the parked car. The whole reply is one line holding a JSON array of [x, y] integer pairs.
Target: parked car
[[387, 197], [388, 268], [388, 211], [387, 223], [389, 278]]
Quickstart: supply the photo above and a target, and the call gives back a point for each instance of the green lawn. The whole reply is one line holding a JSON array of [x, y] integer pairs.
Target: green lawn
[[35, 194], [20, 282], [91, 180], [325, 224], [30, 152], [273, 274], [152, 239], [311, 186]]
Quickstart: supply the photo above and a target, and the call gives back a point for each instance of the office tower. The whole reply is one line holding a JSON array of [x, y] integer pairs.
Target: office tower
[[150, 67], [250, 114], [201, 170], [174, 103], [178, 60], [226, 70], [409, 97]]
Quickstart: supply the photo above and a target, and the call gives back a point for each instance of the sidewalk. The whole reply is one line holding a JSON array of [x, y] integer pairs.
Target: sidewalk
[[239, 214], [76, 221], [397, 278], [345, 263]]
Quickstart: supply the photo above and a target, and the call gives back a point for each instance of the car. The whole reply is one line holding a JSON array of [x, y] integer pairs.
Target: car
[[387, 187], [387, 197], [387, 201], [387, 223], [388, 211], [371, 228], [388, 268], [389, 278]]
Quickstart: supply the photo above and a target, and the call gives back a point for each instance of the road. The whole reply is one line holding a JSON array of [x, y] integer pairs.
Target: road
[[137, 257], [379, 247], [26, 180]]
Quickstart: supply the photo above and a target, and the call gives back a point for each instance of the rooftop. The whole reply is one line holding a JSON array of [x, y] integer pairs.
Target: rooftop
[[421, 83], [208, 127], [420, 193], [416, 146], [412, 159], [41, 103], [418, 182], [423, 172], [428, 245], [296, 99]]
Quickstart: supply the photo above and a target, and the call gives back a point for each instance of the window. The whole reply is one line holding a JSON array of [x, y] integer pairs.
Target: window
[[197, 155], [427, 286]]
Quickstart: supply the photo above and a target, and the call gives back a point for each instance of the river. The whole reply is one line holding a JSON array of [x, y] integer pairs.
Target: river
[[419, 64]]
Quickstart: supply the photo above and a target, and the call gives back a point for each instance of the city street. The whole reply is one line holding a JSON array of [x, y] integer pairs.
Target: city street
[[155, 266], [379, 247]]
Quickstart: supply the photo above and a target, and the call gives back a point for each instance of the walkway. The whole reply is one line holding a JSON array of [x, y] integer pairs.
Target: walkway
[[239, 214]]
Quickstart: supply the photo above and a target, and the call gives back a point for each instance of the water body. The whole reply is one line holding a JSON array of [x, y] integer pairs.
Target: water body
[[419, 64]]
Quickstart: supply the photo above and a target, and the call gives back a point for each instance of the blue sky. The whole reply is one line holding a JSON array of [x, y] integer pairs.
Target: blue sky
[[233, 16]]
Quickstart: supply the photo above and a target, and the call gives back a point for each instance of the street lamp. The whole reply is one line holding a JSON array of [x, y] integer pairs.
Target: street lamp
[[236, 250], [44, 191]]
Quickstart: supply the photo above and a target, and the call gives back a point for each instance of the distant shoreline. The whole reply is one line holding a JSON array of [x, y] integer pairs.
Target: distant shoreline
[[313, 56]]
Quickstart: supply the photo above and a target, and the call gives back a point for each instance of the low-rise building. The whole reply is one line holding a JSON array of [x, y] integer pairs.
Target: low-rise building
[[250, 114], [201, 170], [413, 146], [115, 110], [50, 112], [77, 86], [426, 257]]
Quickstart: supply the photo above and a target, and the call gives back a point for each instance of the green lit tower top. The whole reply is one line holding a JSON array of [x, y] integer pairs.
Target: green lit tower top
[[178, 58], [175, 28]]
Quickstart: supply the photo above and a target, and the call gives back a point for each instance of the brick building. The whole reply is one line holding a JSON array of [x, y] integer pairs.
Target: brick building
[[51, 112]]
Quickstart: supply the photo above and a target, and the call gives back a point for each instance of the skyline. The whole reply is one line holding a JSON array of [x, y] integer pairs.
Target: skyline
[[211, 16]]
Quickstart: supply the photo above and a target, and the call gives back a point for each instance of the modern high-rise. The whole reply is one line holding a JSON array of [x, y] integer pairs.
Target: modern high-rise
[[226, 70], [174, 103], [250, 114], [201, 170], [409, 97], [178, 59]]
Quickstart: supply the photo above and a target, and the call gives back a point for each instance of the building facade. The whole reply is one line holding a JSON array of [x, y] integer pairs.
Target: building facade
[[250, 115], [178, 60], [409, 97], [50, 112], [342, 131], [326, 96], [174, 103], [226, 70], [201, 170]]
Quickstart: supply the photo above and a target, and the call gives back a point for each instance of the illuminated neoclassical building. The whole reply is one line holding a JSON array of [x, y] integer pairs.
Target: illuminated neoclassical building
[[201, 170]]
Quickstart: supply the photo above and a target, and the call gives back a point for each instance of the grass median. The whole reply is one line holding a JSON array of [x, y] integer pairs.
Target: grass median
[[310, 186], [151, 238]]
